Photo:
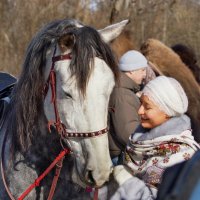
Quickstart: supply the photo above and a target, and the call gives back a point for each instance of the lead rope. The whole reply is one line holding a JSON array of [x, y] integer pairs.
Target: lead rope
[[58, 161], [95, 190], [55, 179], [38, 180]]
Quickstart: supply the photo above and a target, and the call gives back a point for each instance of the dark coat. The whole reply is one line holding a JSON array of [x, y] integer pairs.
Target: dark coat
[[123, 117]]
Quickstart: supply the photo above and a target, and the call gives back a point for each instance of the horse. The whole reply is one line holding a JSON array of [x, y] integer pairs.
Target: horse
[[58, 109]]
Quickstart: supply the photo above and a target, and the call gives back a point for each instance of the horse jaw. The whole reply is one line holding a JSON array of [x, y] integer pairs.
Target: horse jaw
[[110, 32], [97, 165], [92, 113]]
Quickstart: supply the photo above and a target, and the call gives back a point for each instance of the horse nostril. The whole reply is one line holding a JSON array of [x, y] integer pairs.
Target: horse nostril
[[90, 178]]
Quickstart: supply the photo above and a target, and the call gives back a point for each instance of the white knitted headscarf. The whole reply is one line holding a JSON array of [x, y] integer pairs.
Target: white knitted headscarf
[[168, 94]]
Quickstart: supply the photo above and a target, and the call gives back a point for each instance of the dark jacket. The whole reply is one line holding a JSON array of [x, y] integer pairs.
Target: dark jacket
[[123, 117]]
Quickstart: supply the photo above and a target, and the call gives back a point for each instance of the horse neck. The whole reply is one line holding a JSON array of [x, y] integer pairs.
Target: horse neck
[[45, 147]]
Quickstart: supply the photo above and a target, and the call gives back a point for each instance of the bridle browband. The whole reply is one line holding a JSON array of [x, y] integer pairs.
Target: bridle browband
[[86, 134]]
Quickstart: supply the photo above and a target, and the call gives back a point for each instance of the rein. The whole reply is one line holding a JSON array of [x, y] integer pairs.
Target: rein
[[58, 162]]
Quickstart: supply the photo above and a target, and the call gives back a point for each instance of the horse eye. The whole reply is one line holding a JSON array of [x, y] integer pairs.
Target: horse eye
[[69, 96]]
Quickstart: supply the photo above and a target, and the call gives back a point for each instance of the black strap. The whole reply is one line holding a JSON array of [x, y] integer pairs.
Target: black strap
[[7, 81], [181, 180]]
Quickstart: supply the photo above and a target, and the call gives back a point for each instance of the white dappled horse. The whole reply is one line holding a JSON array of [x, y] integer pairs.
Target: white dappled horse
[[60, 101]]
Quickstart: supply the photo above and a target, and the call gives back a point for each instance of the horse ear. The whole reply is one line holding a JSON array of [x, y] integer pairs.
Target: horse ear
[[110, 32], [66, 42]]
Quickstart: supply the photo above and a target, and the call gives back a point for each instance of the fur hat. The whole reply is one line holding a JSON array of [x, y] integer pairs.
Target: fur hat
[[132, 60], [168, 94]]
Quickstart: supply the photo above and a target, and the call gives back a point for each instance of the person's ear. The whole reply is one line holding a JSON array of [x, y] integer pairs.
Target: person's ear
[[128, 72], [131, 72]]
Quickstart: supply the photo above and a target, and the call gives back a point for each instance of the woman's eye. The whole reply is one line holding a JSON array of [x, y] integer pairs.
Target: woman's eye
[[148, 108]]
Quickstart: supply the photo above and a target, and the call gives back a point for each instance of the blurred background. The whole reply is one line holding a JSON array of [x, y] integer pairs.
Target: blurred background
[[170, 21]]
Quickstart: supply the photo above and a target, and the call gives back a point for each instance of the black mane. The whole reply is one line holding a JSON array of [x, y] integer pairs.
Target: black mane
[[89, 45], [26, 108], [25, 112]]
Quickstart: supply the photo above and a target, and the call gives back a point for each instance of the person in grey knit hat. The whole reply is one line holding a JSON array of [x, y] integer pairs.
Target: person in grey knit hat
[[134, 65], [124, 103]]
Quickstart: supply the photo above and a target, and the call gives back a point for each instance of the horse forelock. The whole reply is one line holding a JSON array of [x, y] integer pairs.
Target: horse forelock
[[27, 98], [88, 45]]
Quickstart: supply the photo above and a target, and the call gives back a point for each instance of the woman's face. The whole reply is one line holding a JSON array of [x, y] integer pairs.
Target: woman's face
[[150, 114]]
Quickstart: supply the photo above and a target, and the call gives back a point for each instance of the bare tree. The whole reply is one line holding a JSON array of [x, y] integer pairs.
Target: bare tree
[[171, 21]]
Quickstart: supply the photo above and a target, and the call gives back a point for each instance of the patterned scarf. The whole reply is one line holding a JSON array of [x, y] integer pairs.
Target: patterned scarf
[[147, 159]]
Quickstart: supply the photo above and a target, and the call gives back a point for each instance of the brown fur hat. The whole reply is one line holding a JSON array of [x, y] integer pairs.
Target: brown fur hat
[[166, 62], [188, 56], [122, 44]]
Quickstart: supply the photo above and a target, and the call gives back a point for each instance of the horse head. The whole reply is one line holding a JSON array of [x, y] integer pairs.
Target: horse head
[[85, 72]]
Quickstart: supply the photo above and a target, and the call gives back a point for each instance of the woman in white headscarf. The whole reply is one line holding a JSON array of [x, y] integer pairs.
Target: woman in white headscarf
[[163, 139]]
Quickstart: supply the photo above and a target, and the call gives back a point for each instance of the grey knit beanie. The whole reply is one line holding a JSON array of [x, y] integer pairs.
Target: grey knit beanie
[[132, 60]]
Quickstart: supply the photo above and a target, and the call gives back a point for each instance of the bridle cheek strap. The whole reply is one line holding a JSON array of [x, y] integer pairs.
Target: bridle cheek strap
[[58, 162], [57, 123], [52, 82]]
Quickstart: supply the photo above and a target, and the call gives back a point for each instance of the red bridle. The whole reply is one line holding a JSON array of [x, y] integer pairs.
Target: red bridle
[[60, 127], [62, 131]]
